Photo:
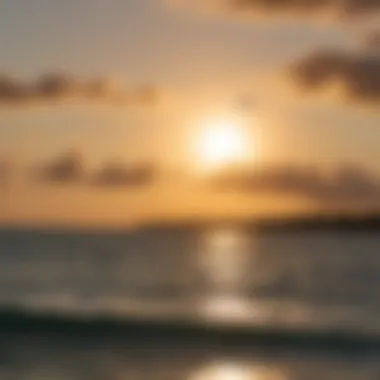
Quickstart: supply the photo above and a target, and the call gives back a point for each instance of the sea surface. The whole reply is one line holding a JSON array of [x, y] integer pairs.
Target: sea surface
[[229, 303]]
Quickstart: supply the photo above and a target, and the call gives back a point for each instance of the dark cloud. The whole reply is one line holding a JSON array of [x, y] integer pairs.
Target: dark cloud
[[65, 169], [116, 174], [338, 9], [356, 75], [56, 87], [345, 184]]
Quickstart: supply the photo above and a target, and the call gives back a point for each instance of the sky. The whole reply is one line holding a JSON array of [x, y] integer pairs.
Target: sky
[[133, 82]]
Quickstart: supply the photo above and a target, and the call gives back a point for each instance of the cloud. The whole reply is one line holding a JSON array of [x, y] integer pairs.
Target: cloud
[[115, 174], [347, 183], [58, 87], [338, 9], [69, 169], [355, 75], [65, 169]]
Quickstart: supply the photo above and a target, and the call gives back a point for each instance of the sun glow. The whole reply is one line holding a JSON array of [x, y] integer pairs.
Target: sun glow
[[224, 142]]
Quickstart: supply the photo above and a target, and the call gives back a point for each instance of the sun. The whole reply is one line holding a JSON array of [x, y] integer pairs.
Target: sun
[[224, 142]]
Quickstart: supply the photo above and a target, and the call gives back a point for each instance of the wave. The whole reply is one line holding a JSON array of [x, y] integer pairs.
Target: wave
[[23, 321]]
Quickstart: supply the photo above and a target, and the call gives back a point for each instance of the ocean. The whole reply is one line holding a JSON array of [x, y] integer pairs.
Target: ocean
[[210, 303]]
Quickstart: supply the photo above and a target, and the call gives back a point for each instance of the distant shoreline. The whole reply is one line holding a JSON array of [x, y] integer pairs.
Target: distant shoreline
[[335, 222], [297, 223]]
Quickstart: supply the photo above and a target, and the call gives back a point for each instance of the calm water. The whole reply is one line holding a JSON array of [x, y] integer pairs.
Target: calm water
[[309, 282]]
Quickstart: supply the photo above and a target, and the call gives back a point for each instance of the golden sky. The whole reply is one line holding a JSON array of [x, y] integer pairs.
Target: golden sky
[[133, 111]]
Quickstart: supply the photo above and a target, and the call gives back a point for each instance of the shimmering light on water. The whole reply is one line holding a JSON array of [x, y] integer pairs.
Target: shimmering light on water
[[235, 371], [229, 309], [223, 258]]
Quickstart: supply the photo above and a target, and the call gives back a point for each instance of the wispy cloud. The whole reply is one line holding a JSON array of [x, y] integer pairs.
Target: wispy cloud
[[70, 169], [57, 87], [316, 9], [356, 76], [347, 183], [117, 174], [67, 168], [344, 185]]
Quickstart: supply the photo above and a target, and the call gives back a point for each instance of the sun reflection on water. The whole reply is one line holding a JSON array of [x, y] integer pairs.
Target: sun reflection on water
[[229, 310], [224, 258], [235, 371]]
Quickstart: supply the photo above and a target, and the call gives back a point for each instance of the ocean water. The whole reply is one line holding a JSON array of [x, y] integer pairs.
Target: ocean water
[[228, 303]]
